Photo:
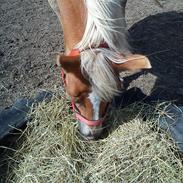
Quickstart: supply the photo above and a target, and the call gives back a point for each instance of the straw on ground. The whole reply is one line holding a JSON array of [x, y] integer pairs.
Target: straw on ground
[[134, 151]]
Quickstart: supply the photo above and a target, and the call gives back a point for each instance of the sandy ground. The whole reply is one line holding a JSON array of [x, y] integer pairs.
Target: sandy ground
[[29, 36]]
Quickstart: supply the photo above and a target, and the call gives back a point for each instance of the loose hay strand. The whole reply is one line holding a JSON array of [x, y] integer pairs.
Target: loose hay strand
[[134, 151]]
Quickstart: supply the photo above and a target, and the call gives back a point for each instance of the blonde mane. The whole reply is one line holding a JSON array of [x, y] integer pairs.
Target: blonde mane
[[105, 24]]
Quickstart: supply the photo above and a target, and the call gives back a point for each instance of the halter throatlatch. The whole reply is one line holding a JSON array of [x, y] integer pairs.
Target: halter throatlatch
[[78, 116]]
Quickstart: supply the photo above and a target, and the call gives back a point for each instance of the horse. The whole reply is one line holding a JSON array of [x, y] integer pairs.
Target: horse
[[96, 51]]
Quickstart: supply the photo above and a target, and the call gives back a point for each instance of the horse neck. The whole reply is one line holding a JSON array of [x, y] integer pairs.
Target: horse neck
[[73, 19], [84, 24]]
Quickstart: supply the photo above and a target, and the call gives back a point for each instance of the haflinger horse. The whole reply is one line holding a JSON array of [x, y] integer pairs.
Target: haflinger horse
[[96, 51]]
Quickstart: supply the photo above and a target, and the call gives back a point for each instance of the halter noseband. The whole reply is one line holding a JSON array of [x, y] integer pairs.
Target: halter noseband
[[82, 119], [78, 116]]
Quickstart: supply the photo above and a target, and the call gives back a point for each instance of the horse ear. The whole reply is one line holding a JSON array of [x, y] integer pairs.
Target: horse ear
[[68, 63], [133, 62]]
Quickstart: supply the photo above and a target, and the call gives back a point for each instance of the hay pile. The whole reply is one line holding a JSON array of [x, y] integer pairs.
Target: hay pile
[[133, 152]]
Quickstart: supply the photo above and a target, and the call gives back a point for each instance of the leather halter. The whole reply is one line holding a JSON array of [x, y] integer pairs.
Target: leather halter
[[78, 116]]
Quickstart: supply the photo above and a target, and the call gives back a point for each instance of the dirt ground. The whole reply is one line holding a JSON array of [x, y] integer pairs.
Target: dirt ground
[[30, 34]]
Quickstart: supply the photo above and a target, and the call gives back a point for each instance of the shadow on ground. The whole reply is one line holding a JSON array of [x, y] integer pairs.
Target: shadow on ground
[[160, 37]]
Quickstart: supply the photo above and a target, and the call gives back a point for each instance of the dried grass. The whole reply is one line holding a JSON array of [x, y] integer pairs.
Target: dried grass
[[135, 151]]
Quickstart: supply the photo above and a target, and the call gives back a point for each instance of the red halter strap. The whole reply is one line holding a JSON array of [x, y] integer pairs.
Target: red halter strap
[[82, 119], [74, 52], [78, 116]]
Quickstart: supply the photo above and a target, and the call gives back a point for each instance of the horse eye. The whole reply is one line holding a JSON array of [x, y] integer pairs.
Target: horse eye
[[79, 98]]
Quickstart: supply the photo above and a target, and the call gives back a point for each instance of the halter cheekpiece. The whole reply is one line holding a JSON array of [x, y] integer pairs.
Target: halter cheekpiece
[[78, 116]]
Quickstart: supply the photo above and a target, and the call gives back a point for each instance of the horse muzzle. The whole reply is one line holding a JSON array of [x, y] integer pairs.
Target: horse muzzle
[[89, 129]]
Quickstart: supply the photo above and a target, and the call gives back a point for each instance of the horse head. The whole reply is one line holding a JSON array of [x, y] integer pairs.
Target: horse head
[[96, 51], [89, 105]]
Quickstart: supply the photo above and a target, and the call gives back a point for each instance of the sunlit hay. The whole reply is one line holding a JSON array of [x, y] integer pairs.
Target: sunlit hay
[[134, 151], [51, 152]]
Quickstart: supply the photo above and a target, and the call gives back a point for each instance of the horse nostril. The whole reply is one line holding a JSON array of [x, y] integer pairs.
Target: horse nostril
[[88, 137], [89, 133]]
